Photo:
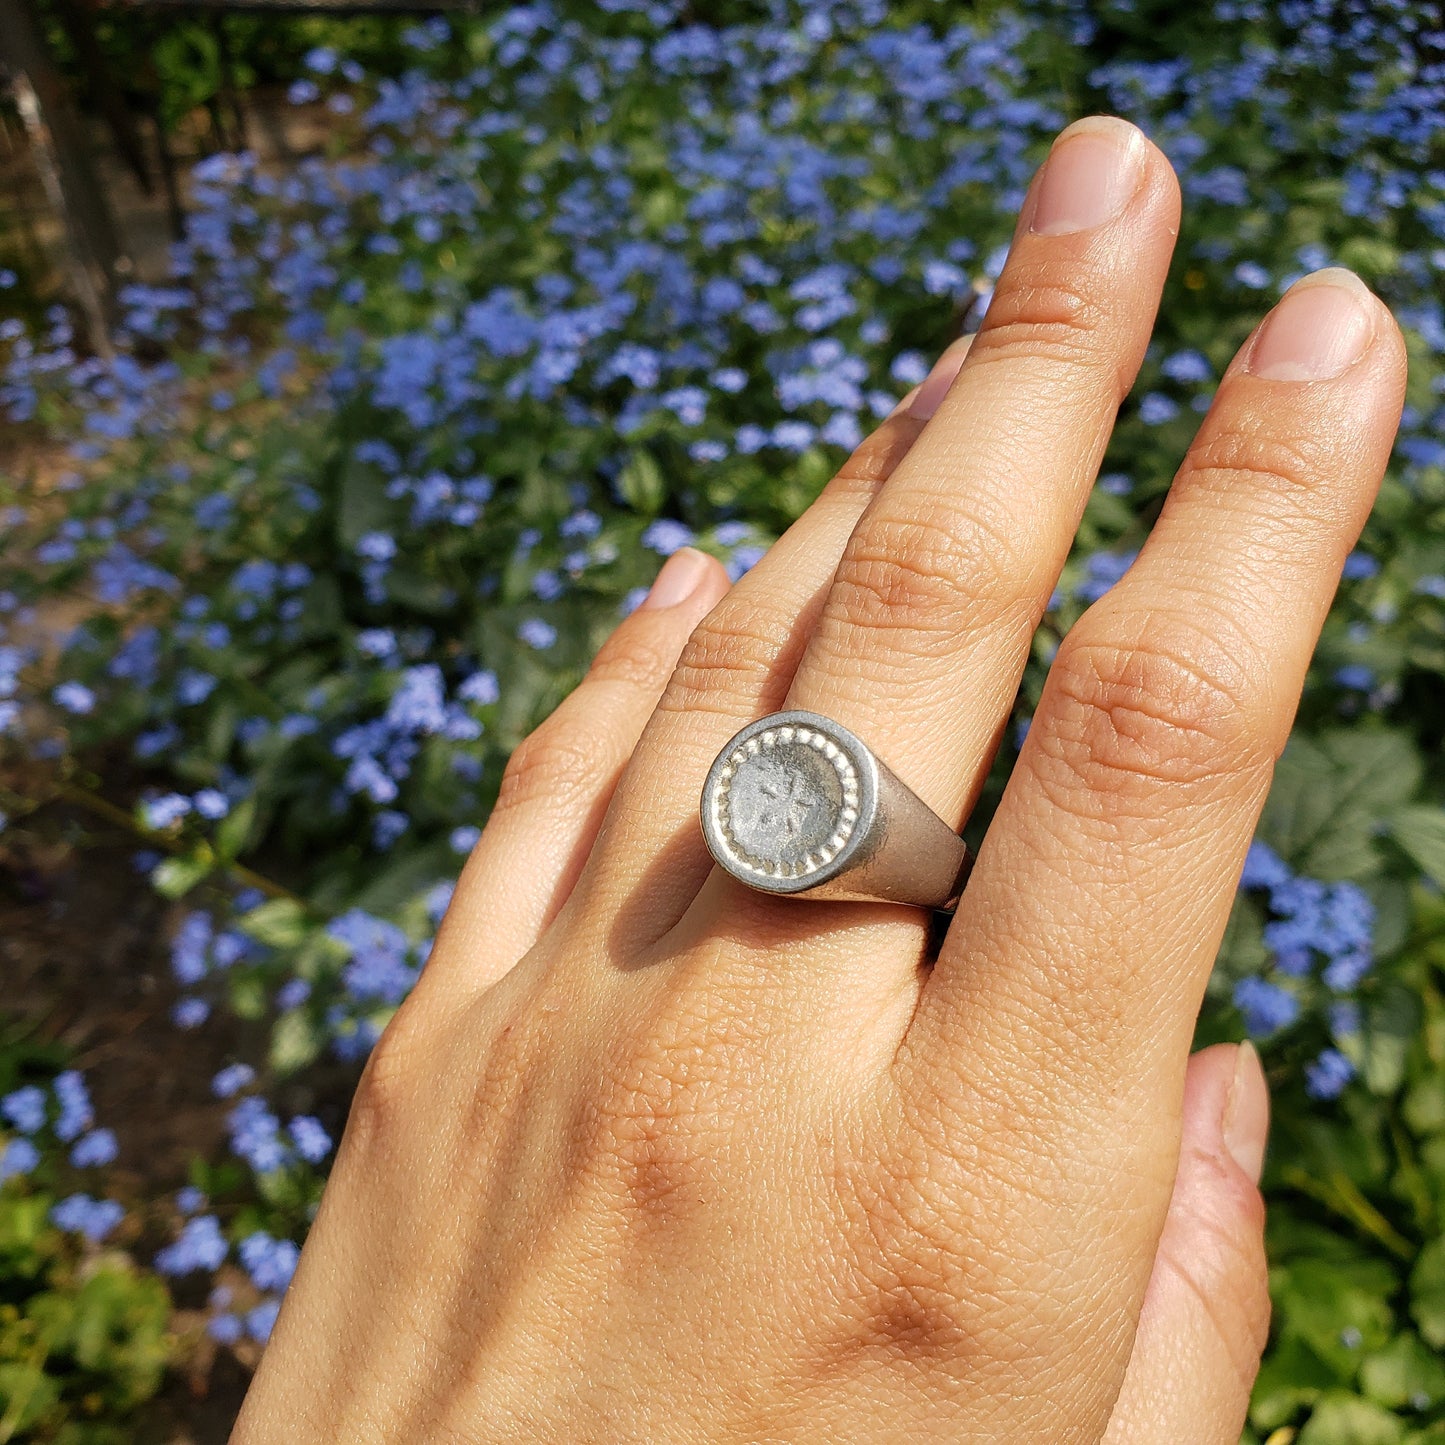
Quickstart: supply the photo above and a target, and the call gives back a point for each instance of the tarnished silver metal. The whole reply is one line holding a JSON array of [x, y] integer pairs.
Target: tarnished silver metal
[[797, 804]]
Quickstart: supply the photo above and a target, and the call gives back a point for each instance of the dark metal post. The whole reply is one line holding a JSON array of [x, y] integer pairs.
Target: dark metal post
[[94, 254]]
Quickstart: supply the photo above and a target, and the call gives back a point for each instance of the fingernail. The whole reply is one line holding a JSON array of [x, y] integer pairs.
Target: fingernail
[[934, 387], [1245, 1125], [1321, 327], [1090, 174], [680, 577]]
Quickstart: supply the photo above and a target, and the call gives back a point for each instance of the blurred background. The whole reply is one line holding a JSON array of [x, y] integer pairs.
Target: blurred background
[[359, 369]]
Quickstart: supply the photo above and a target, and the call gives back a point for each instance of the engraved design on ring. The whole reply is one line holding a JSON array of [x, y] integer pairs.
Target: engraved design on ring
[[786, 801], [796, 803]]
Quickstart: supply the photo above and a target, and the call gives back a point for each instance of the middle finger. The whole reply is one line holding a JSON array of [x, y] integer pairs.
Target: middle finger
[[929, 621]]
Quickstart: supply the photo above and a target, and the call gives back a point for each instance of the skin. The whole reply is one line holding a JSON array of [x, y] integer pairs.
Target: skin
[[650, 1157]]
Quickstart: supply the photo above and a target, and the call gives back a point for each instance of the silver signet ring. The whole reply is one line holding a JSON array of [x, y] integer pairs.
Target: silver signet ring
[[797, 804]]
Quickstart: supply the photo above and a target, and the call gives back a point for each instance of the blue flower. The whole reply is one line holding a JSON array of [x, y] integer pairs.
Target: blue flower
[[376, 547], [582, 523], [261, 1320], [211, 804], [74, 697], [256, 1136], [1101, 571], [18, 1157], [24, 1108], [376, 642], [1359, 566], [1263, 867], [269, 1262], [190, 1013], [419, 703], [480, 689], [1344, 972], [76, 1114], [199, 1246], [312, 1141], [1356, 676], [665, 536], [1156, 408], [537, 633], [547, 586], [292, 994], [194, 687], [94, 1149], [94, 1218], [380, 967], [1266, 1006], [161, 813], [229, 1081], [190, 948], [1187, 366], [1327, 1076], [387, 827]]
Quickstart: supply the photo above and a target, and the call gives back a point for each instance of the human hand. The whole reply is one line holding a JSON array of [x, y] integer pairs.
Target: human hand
[[648, 1156]]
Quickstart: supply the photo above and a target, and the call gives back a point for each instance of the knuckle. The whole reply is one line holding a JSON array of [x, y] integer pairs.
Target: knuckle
[[732, 654], [1175, 708], [1241, 458], [633, 658], [874, 459], [555, 762], [642, 1136], [1047, 310], [933, 579], [923, 1295], [388, 1083], [663, 1120]]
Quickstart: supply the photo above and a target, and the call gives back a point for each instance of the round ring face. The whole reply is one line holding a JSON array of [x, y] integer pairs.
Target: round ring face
[[784, 801]]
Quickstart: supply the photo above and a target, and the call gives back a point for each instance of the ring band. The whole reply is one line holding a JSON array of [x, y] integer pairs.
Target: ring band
[[797, 804]]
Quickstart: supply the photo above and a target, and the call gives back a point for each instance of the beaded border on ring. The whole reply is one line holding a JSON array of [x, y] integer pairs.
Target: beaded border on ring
[[843, 765]]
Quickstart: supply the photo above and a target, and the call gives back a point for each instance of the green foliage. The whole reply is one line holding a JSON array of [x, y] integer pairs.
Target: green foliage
[[84, 1336], [1357, 1231]]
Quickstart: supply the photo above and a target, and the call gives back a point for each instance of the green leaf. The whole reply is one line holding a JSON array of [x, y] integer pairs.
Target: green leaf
[[1404, 1374], [1427, 1292], [642, 484], [248, 995], [362, 504], [1391, 1023], [413, 588], [1424, 1106], [1421, 833], [278, 923], [1349, 1420], [175, 877], [1330, 793], [1291, 1376], [235, 829], [28, 1394], [296, 1040], [1319, 1299]]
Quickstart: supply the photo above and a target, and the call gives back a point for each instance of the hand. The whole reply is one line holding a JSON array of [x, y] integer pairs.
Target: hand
[[648, 1156]]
